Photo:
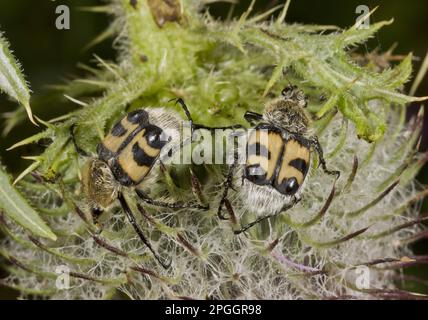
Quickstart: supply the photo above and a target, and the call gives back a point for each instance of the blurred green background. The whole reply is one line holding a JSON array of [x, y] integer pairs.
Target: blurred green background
[[50, 57]]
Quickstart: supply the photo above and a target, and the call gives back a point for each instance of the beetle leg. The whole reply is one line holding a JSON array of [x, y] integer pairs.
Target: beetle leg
[[317, 146], [292, 203], [201, 126], [196, 126], [177, 205], [228, 184], [185, 109], [248, 226], [140, 233]]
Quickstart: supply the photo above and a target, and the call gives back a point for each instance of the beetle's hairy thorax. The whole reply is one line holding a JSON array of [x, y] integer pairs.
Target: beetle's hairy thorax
[[289, 115]]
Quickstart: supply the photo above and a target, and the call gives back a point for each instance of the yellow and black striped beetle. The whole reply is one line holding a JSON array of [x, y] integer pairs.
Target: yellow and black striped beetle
[[278, 157], [124, 159]]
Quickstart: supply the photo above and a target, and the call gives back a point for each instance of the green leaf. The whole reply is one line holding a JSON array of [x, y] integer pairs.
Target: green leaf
[[32, 139], [18, 209], [12, 81], [350, 110], [395, 77], [354, 36], [330, 104]]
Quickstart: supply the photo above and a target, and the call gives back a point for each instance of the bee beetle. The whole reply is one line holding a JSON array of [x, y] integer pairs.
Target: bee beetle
[[124, 159], [278, 156]]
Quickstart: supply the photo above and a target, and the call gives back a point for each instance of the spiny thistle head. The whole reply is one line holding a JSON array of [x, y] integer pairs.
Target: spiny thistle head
[[345, 238]]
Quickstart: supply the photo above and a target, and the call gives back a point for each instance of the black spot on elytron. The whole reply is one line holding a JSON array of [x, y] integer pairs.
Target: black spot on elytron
[[118, 130], [120, 175], [256, 174], [258, 150], [287, 187], [155, 137], [141, 157], [300, 165], [138, 117]]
